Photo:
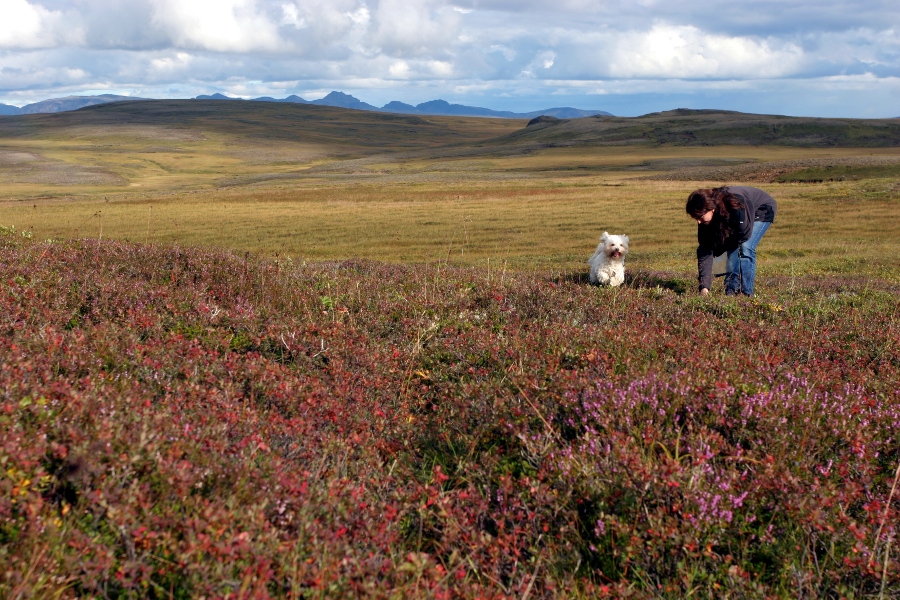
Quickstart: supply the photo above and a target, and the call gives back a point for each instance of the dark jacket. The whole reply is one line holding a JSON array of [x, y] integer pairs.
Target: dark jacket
[[757, 203]]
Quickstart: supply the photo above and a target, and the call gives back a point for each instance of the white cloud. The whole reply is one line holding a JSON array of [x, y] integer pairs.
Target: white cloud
[[440, 68], [217, 25], [420, 69], [26, 25], [415, 27], [169, 64], [687, 52], [360, 16], [291, 16], [399, 69]]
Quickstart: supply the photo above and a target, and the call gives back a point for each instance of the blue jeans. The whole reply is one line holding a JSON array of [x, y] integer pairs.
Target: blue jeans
[[742, 262]]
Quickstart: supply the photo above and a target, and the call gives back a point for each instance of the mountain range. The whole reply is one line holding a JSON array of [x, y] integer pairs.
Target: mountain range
[[336, 99], [55, 105]]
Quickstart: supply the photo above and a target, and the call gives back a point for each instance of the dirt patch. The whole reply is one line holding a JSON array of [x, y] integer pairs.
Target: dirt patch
[[135, 133], [27, 167], [16, 157], [681, 164], [275, 155]]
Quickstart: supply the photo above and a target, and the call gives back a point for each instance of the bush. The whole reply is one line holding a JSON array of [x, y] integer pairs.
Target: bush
[[187, 423]]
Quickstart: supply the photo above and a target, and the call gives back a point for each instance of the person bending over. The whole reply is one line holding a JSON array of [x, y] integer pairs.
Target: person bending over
[[730, 219]]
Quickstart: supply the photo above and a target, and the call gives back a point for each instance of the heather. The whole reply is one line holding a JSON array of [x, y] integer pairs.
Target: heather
[[187, 422]]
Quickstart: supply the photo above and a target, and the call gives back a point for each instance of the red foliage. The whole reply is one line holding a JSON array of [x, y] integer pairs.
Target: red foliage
[[191, 423]]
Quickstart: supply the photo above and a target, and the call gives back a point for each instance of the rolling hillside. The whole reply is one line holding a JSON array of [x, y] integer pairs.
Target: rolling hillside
[[706, 128], [181, 144], [251, 120], [256, 121], [167, 145]]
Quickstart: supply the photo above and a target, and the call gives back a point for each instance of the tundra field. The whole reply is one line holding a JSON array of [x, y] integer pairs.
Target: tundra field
[[253, 351]]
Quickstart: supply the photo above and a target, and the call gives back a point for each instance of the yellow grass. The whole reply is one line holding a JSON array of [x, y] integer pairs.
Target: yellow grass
[[312, 201]]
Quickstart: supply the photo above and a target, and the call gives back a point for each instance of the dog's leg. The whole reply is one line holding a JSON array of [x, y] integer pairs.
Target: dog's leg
[[592, 268]]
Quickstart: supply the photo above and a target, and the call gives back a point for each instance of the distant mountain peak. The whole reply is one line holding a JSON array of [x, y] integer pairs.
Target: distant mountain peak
[[397, 106], [335, 95], [435, 104], [216, 96], [342, 100], [67, 103]]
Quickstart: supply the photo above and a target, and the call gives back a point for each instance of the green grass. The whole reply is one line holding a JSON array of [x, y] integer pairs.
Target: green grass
[[710, 128], [544, 224], [841, 173]]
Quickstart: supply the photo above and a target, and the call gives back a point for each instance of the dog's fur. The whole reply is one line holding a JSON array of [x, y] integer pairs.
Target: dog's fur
[[608, 260]]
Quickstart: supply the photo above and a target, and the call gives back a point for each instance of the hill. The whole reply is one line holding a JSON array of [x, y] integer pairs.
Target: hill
[[373, 130], [181, 144], [68, 103], [549, 128], [706, 128], [349, 131]]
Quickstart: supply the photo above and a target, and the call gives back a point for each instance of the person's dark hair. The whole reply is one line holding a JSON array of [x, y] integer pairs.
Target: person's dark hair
[[719, 200]]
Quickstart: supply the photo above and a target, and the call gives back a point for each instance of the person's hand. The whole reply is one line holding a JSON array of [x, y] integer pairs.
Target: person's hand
[[704, 292]]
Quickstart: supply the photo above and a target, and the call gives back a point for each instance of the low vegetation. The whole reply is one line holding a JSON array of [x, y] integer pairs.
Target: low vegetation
[[196, 423], [684, 127]]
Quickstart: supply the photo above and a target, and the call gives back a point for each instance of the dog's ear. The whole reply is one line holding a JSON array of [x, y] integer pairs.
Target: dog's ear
[[625, 239], [605, 236]]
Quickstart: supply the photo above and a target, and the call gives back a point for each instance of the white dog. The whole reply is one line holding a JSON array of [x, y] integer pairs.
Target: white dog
[[608, 261]]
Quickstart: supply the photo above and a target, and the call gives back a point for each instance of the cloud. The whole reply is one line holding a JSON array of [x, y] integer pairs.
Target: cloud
[[399, 69], [687, 52], [290, 15], [467, 50], [420, 69], [217, 25], [177, 62], [25, 25], [50, 78], [751, 17], [415, 27]]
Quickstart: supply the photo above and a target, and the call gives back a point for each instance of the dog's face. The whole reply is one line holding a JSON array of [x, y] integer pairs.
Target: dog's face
[[615, 246]]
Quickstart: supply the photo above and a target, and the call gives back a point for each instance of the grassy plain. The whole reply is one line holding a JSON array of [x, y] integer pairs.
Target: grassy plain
[[510, 211], [315, 183]]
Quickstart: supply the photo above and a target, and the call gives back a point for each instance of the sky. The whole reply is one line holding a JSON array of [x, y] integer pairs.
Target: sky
[[820, 58]]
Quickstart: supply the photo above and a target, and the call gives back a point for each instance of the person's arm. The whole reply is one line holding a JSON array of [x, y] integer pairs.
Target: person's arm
[[705, 259]]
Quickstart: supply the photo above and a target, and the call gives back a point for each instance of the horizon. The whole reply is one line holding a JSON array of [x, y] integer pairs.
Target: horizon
[[841, 59], [221, 96], [416, 105]]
